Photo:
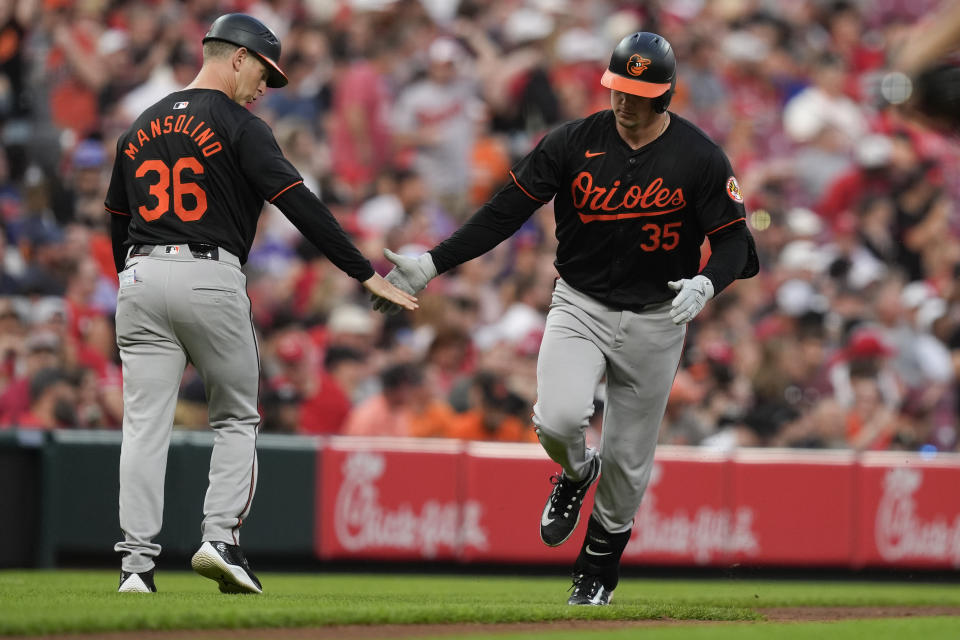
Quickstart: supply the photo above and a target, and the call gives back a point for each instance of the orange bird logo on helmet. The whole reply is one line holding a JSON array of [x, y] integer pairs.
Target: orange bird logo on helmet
[[637, 64]]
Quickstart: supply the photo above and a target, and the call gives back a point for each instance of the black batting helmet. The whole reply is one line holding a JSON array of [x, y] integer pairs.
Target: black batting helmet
[[643, 64], [248, 32]]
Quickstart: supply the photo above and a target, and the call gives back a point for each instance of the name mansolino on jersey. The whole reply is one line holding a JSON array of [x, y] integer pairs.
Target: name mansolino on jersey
[[203, 135]]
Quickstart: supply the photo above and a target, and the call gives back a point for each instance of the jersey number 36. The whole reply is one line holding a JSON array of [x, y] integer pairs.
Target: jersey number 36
[[160, 189]]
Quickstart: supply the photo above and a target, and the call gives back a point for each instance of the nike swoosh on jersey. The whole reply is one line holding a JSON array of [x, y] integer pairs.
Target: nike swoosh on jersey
[[591, 552], [594, 154]]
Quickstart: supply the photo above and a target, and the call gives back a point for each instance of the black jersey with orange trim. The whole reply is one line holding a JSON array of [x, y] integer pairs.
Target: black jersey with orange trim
[[630, 220], [627, 221], [196, 167]]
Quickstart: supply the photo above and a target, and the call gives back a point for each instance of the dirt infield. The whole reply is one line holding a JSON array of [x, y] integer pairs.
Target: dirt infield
[[400, 631], [827, 614]]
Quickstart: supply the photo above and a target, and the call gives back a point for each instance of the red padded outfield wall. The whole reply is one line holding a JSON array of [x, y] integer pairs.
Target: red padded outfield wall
[[800, 505], [401, 499]]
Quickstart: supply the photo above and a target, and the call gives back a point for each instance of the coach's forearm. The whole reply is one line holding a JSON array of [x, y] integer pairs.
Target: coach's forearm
[[315, 221]]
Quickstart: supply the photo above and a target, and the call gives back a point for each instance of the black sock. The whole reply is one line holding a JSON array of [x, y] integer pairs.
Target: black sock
[[600, 553]]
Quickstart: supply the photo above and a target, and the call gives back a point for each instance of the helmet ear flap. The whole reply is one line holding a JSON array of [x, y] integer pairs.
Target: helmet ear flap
[[661, 102]]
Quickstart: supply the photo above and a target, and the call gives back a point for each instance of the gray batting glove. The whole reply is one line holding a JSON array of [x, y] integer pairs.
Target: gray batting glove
[[409, 274], [692, 295]]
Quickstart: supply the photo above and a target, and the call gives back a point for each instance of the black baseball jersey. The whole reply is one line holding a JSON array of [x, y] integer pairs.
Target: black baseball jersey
[[627, 221], [196, 167]]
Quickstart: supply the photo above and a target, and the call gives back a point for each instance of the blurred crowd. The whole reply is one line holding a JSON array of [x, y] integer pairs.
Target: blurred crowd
[[404, 116]]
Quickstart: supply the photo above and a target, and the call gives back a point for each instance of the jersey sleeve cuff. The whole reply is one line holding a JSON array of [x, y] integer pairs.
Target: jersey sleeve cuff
[[366, 274]]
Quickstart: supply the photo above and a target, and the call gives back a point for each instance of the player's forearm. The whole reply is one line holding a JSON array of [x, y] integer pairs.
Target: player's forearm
[[493, 223], [728, 256], [314, 220]]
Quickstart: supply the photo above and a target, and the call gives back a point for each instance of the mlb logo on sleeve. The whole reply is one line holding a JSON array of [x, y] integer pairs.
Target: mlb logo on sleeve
[[180, 105]]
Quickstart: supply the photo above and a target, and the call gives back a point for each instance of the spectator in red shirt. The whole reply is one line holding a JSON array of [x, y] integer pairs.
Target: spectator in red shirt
[[322, 394], [73, 66], [91, 338], [44, 351], [360, 136], [326, 409]]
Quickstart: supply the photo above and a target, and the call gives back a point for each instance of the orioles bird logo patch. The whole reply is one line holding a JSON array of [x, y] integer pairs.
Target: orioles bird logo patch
[[733, 190], [637, 64]]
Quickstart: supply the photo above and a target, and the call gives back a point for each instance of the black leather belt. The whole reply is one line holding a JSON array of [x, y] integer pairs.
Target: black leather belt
[[638, 308], [199, 250]]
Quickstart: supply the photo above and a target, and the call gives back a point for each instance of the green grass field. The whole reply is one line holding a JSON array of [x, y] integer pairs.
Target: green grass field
[[44, 602]]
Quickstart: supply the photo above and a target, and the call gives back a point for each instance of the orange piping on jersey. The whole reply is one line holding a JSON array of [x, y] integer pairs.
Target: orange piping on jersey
[[119, 213], [286, 189], [610, 217], [527, 193], [725, 225]]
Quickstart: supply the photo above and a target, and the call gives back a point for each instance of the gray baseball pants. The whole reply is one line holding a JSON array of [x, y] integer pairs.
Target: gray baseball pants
[[639, 354], [173, 309]]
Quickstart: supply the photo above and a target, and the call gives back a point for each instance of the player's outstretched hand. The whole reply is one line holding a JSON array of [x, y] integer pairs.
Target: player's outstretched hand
[[409, 274], [692, 295], [382, 290]]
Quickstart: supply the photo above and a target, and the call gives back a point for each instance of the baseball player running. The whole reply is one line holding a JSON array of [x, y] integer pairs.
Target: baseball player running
[[189, 180], [636, 189]]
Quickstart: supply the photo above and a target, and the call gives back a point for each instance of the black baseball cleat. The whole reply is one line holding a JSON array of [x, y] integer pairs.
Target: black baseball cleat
[[137, 582], [562, 511], [225, 564], [589, 590]]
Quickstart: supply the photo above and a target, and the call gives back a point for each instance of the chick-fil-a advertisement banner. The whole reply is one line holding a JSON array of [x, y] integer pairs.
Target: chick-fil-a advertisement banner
[[909, 509], [446, 500], [396, 499]]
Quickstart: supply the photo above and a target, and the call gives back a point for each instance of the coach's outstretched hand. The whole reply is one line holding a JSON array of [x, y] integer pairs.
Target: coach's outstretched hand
[[692, 295], [383, 291], [410, 275]]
